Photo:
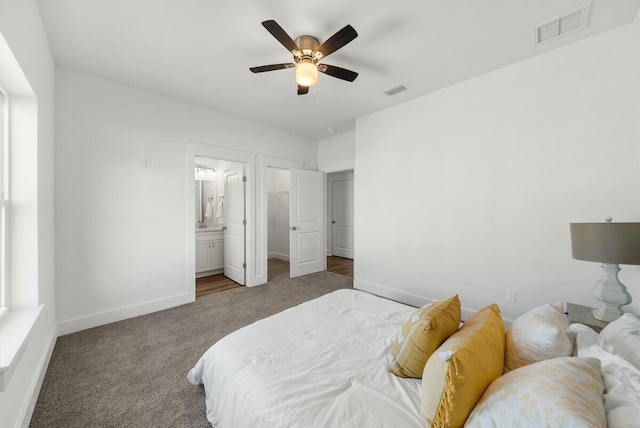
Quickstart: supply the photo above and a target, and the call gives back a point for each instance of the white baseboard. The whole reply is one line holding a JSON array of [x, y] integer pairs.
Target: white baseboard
[[279, 256], [209, 273], [107, 317], [407, 298], [391, 293], [36, 384]]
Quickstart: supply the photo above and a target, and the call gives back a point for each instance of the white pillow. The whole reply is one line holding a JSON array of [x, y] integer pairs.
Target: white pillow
[[621, 379], [624, 335], [540, 334], [551, 393]]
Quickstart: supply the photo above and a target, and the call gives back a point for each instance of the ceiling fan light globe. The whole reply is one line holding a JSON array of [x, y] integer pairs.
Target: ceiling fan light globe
[[306, 74]]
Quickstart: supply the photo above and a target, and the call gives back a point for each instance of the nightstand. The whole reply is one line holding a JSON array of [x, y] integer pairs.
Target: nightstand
[[584, 315]]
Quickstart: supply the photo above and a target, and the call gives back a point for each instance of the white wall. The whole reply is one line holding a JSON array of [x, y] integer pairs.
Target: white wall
[[471, 189], [279, 192], [337, 153], [32, 184], [118, 222]]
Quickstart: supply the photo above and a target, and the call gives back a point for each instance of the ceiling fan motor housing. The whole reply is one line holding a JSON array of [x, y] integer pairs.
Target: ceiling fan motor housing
[[308, 49]]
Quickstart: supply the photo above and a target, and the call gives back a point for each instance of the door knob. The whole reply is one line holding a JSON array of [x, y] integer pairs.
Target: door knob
[[333, 222], [293, 228], [224, 227]]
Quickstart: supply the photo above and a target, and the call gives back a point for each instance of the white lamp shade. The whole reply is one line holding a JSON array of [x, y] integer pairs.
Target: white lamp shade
[[306, 74]]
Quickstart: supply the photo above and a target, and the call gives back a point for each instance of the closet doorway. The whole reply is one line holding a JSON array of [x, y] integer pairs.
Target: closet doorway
[[278, 221], [306, 222]]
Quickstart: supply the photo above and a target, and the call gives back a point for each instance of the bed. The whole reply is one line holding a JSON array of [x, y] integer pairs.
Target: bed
[[281, 372], [326, 363]]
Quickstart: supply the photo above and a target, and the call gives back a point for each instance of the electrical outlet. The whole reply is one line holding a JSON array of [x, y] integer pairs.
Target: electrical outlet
[[146, 282], [147, 163], [511, 295]]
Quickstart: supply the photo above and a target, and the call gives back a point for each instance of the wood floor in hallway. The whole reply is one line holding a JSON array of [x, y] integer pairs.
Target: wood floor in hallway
[[217, 283], [340, 265], [214, 284]]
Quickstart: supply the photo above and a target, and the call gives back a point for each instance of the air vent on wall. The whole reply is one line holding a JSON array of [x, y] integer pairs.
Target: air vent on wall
[[395, 90], [569, 22]]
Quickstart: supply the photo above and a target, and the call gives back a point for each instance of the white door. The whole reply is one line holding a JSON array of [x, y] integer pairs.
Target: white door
[[342, 218], [234, 227], [307, 236]]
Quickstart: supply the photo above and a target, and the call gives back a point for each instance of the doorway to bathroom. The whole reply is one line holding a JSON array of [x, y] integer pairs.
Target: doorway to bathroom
[[220, 224]]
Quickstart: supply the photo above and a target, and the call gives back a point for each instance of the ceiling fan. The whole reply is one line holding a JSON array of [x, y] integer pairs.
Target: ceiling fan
[[307, 52]]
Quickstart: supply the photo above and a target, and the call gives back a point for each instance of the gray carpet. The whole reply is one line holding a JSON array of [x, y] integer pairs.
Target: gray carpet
[[133, 373]]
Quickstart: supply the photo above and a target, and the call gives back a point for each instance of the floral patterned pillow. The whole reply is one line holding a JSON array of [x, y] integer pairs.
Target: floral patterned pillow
[[540, 334], [561, 392]]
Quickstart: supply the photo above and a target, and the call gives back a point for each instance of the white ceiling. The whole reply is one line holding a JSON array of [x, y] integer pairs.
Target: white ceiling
[[200, 51]]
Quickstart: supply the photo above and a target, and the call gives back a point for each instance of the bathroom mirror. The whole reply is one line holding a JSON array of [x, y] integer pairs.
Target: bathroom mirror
[[206, 188]]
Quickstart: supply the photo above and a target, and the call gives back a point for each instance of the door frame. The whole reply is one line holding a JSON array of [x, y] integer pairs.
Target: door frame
[[231, 155], [262, 239], [331, 177]]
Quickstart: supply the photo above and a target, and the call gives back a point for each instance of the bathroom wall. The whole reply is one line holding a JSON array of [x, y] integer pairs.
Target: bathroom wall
[[279, 186]]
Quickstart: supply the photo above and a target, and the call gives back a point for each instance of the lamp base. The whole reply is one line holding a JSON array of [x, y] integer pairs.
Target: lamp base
[[611, 294]]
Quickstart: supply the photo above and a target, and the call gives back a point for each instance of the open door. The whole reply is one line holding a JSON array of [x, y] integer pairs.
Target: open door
[[234, 226], [306, 235]]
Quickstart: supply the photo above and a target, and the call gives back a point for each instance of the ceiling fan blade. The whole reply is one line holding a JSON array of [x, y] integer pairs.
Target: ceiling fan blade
[[338, 40], [280, 35], [338, 72], [303, 90], [271, 67]]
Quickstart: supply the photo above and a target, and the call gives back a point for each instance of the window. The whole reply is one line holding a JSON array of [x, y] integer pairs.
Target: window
[[4, 199]]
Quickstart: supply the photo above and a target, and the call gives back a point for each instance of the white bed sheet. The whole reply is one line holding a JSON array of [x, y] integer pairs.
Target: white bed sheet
[[324, 363]]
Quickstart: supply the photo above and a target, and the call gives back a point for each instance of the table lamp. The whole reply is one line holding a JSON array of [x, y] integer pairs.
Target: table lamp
[[610, 244]]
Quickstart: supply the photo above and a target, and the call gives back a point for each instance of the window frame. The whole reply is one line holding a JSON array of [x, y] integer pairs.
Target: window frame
[[4, 201]]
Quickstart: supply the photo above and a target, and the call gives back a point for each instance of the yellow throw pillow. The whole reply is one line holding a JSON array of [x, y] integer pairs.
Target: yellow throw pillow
[[422, 334], [458, 373]]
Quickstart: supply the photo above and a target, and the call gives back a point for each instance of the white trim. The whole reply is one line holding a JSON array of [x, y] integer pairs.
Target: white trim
[[409, 298], [262, 238], [15, 333], [26, 412], [209, 273], [279, 256], [5, 301], [107, 317], [391, 293]]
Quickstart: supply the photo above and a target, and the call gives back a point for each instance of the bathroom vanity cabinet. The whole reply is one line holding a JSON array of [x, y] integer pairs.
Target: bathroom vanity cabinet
[[209, 251]]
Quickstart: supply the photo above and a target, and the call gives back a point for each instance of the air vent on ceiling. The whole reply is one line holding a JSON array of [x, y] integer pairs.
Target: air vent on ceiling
[[569, 22], [396, 89]]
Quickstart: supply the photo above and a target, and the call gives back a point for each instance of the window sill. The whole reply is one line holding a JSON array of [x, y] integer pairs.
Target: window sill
[[16, 328]]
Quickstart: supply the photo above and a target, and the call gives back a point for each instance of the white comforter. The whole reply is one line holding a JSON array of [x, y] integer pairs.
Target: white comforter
[[324, 363]]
